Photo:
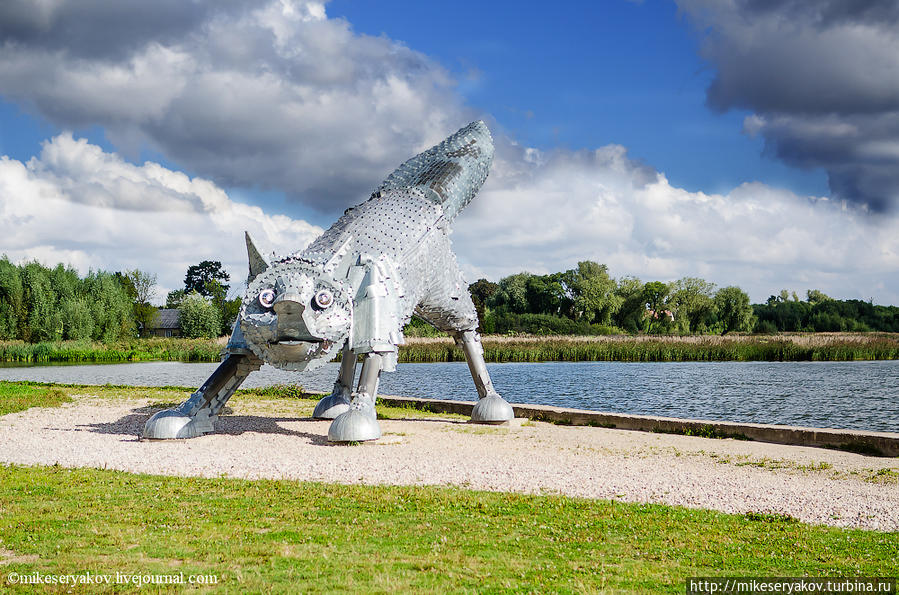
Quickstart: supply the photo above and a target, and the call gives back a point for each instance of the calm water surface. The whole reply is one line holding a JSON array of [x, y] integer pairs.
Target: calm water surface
[[859, 395]]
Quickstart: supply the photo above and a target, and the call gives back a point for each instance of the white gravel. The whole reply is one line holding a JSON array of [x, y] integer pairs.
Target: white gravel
[[270, 439]]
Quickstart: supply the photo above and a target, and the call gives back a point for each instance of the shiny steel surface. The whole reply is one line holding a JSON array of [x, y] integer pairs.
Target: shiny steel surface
[[357, 285]]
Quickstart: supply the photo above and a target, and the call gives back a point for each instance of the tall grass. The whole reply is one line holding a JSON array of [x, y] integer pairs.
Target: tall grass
[[623, 348], [663, 349], [133, 350]]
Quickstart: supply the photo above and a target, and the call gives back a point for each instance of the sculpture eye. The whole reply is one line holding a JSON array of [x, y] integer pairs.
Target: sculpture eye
[[323, 299], [267, 298]]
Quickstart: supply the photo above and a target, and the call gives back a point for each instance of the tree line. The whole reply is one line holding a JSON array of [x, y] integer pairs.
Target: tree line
[[38, 303], [587, 300], [785, 312]]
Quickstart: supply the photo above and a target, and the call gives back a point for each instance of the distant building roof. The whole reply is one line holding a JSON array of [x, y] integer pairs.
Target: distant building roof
[[166, 318]]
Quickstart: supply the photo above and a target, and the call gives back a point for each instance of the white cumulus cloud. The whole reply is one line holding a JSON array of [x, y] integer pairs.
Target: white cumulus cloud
[[272, 95], [545, 215], [79, 205]]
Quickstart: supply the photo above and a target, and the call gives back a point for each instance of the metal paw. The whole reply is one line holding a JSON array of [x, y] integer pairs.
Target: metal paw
[[331, 406], [492, 409], [171, 423], [355, 425]]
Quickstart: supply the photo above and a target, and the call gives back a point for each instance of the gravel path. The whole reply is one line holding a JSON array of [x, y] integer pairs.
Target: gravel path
[[271, 439]]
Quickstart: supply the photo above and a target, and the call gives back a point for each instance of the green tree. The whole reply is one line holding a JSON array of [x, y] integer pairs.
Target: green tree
[[734, 312], [692, 304], [199, 317], [111, 306], [77, 319], [41, 317], [545, 295], [632, 310], [11, 295], [42, 304], [654, 296], [816, 297], [141, 287], [481, 291], [511, 295], [199, 276], [174, 298], [782, 315], [228, 309], [594, 292]]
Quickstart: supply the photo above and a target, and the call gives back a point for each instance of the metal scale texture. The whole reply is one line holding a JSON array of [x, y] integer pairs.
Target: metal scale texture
[[353, 290]]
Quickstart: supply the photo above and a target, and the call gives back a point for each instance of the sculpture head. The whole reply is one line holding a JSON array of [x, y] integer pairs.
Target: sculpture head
[[295, 313]]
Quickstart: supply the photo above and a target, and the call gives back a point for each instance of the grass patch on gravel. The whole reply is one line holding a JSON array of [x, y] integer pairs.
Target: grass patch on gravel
[[285, 536], [16, 396]]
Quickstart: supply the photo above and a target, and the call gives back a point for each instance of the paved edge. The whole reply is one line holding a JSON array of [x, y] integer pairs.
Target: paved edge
[[883, 444]]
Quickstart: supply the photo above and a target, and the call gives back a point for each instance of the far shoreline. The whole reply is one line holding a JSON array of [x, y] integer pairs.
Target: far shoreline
[[508, 348]]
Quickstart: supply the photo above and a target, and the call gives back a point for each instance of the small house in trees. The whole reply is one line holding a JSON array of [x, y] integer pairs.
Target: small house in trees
[[166, 323]]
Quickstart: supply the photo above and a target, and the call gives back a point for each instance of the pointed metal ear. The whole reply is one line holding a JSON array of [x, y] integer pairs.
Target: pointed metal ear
[[257, 263]]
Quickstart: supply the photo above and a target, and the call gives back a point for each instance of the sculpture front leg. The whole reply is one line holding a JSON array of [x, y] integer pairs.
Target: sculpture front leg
[[339, 400], [491, 407], [360, 422], [195, 416]]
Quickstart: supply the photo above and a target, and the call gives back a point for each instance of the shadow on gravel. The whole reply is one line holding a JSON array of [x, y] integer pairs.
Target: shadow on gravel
[[234, 425], [132, 425]]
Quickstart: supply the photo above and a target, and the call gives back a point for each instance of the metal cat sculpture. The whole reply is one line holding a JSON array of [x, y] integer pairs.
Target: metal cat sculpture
[[353, 290]]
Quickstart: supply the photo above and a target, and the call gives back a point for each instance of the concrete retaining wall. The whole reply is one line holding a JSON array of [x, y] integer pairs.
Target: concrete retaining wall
[[869, 443]]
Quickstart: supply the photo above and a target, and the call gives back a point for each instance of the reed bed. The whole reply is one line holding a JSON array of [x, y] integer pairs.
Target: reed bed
[[830, 347], [624, 348], [135, 350]]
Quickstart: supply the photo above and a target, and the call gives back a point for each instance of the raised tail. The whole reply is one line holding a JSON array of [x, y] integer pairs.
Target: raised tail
[[449, 173]]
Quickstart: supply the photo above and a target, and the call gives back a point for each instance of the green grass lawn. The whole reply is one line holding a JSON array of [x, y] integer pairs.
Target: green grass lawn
[[288, 536], [299, 537]]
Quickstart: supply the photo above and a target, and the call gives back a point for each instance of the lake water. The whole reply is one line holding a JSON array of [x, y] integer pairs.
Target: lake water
[[857, 395]]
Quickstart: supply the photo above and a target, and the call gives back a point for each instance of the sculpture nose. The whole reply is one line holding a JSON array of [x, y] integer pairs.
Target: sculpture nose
[[289, 304], [289, 307]]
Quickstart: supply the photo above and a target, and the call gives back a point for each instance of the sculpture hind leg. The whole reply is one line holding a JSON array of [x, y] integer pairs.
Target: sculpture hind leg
[[195, 416], [339, 400], [360, 422], [449, 308], [491, 407]]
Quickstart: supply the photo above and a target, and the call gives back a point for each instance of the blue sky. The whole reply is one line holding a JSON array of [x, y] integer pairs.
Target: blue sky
[[748, 143], [595, 73]]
